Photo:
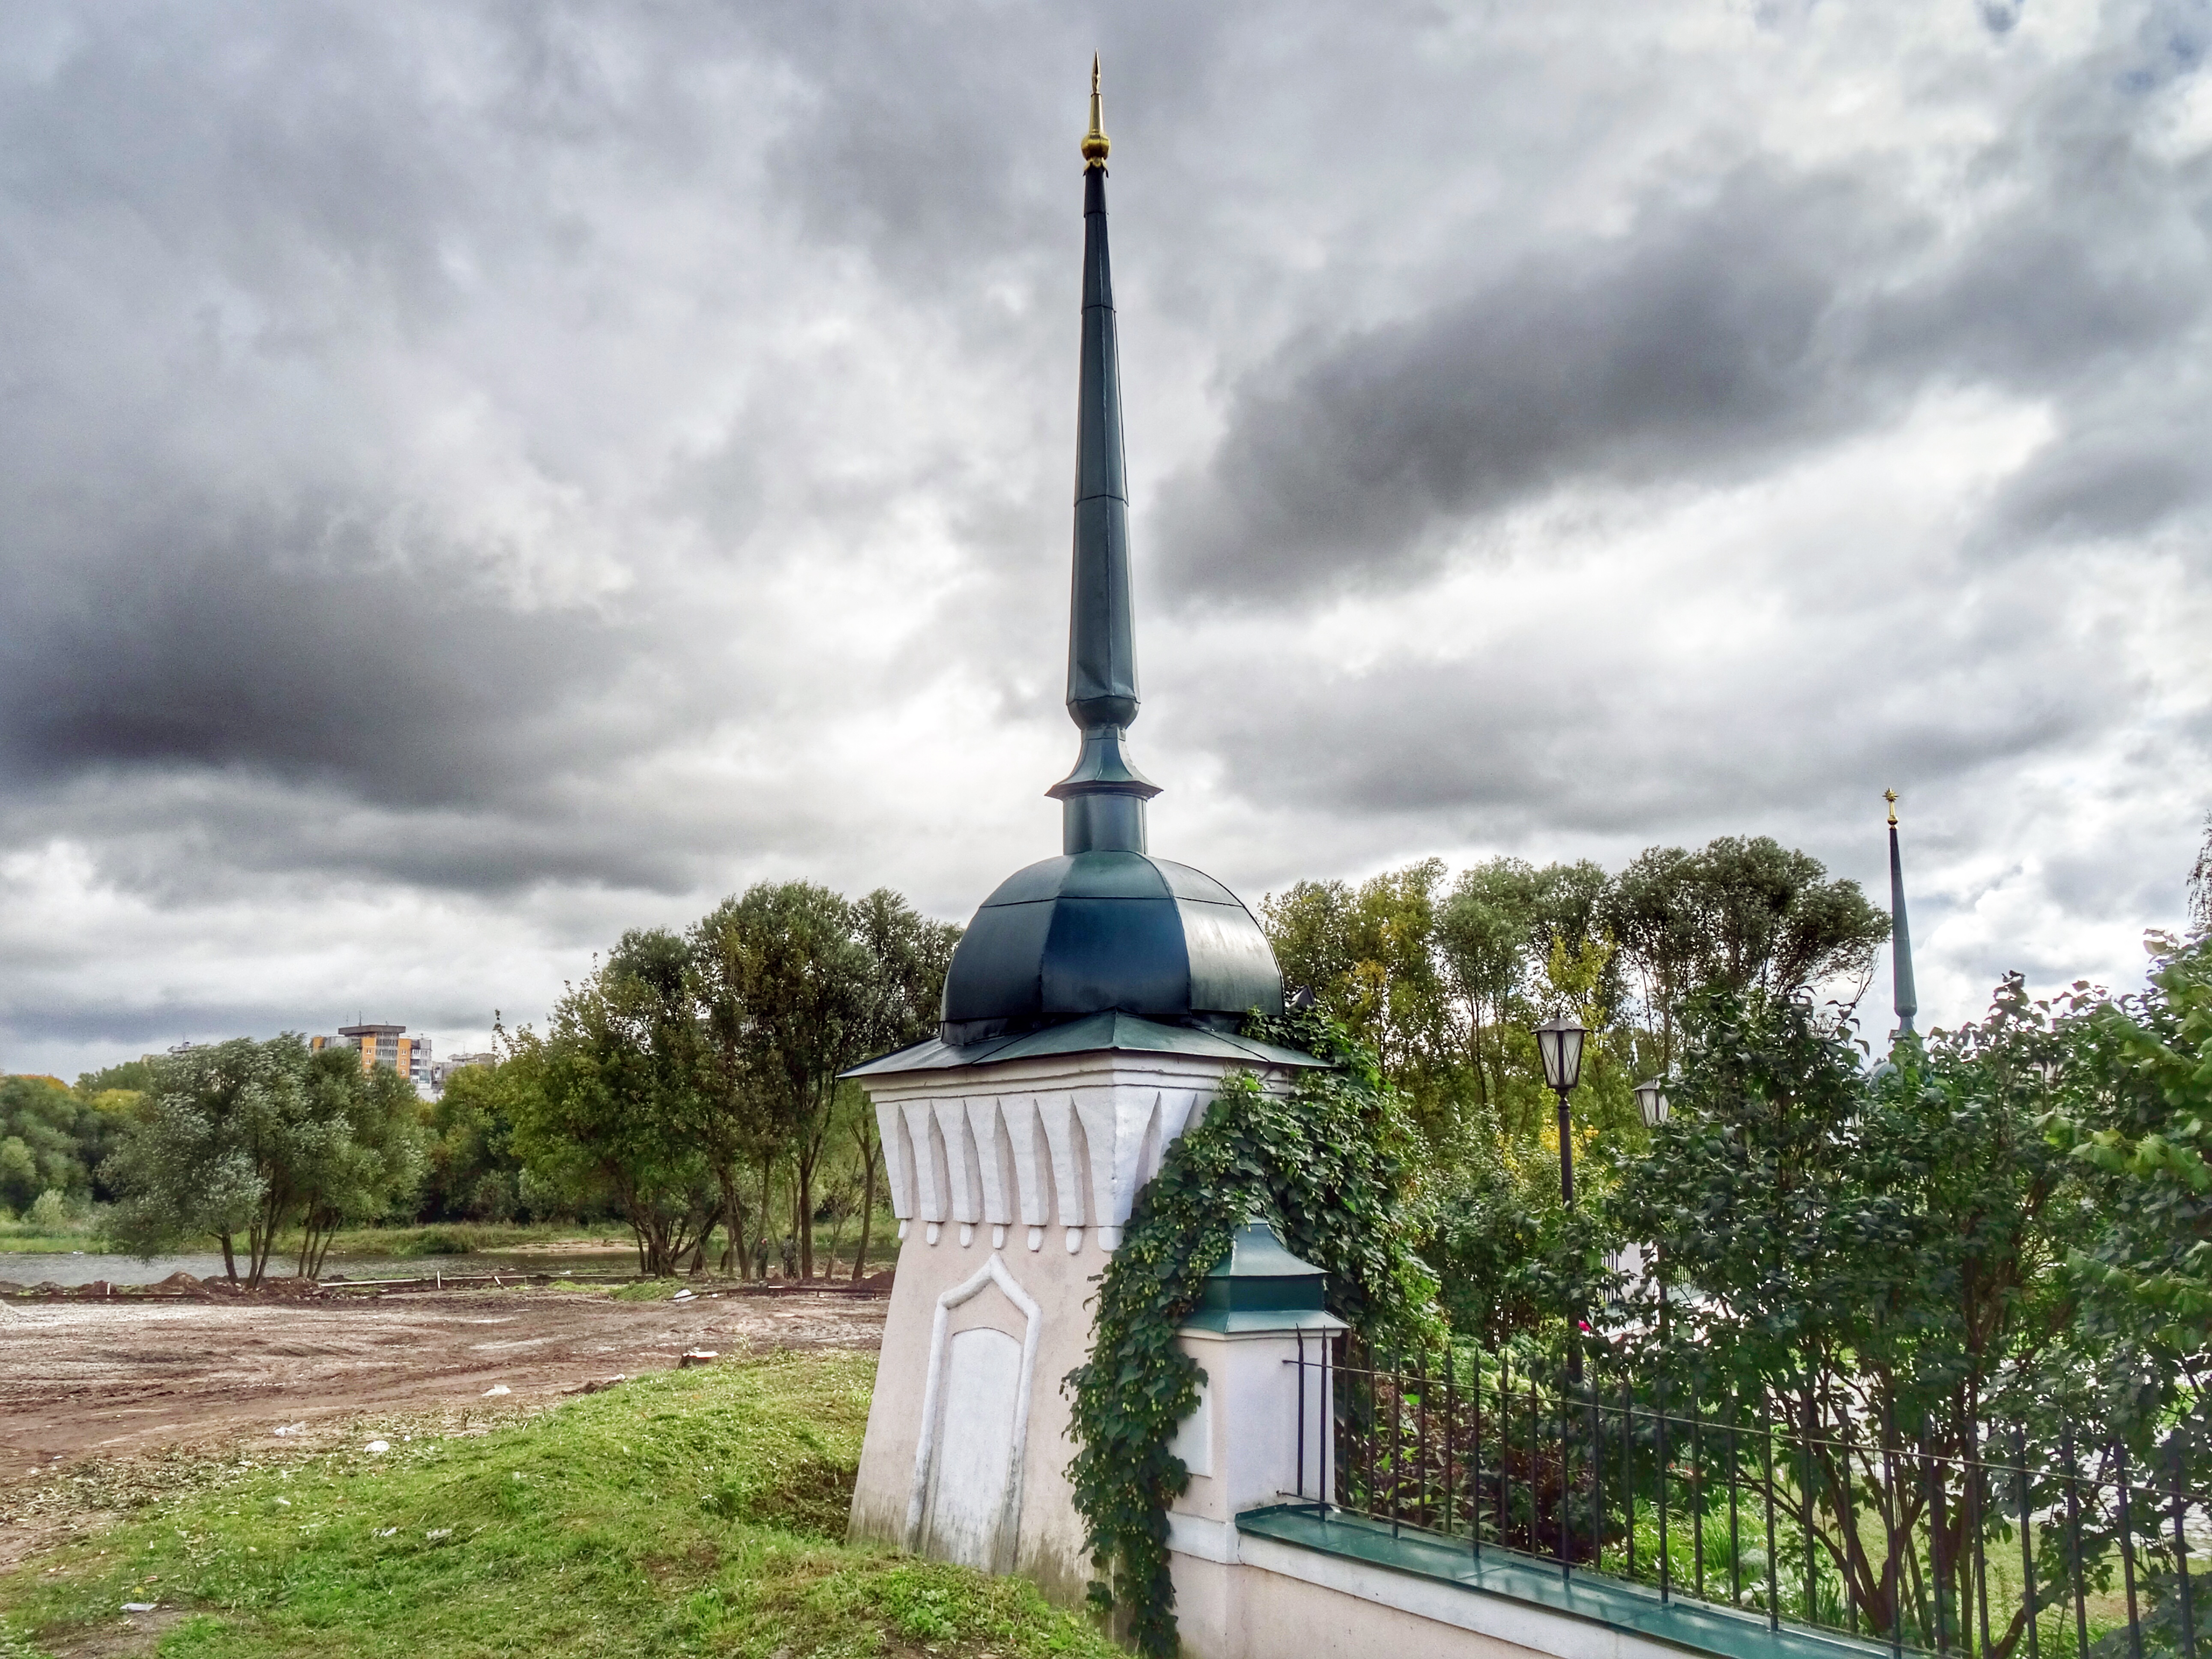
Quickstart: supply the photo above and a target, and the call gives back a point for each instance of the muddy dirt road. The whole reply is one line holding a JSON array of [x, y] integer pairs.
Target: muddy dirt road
[[113, 1379]]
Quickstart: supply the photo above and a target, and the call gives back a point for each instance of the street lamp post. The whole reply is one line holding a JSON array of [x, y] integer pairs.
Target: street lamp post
[[1651, 1101], [1559, 1042]]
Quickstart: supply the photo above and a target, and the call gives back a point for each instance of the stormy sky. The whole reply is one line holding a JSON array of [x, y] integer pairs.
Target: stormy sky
[[476, 479]]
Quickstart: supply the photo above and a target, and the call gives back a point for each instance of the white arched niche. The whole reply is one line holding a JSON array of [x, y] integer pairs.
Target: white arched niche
[[966, 1501]]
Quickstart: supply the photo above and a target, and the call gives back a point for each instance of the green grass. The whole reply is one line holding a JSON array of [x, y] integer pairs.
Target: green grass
[[461, 1237], [692, 1512]]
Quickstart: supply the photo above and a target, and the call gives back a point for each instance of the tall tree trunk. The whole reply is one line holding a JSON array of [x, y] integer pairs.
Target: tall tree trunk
[[229, 1257], [798, 1202], [736, 1255], [868, 1150], [805, 1185], [767, 1211]]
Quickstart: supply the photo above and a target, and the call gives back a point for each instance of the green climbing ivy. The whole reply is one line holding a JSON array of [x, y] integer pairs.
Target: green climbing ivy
[[1323, 1164]]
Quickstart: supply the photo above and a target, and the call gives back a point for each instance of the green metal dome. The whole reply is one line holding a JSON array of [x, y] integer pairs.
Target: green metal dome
[[1089, 932]]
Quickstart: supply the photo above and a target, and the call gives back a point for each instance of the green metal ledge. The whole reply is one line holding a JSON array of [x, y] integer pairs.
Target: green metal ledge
[[1596, 1598]]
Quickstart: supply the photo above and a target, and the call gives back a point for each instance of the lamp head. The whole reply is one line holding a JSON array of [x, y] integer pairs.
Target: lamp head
[[1651, 1101], [1560, 1043]]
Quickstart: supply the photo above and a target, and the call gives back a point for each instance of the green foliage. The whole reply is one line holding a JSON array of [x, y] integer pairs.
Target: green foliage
[[790, 998], [1323, 1164], [129, 1076], [247, 1140], [1445, 985], [692, 1511], [53, 1136], [474, 1174], [606, 1104], [676, 1084], [1743, 914], [1881, 1245], [1513, 1260], [2134, 1112]]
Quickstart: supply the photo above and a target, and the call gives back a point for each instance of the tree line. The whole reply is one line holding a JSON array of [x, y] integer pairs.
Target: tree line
[[687, 1088]]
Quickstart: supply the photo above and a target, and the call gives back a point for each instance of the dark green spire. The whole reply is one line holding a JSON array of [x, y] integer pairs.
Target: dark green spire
[[1103, 799], [1907, 1000]]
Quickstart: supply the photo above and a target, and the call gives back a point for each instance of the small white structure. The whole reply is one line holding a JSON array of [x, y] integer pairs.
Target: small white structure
[[1013, 1165]]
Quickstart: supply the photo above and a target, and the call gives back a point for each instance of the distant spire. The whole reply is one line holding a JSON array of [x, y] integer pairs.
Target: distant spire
[[1103, 799], [1901, 937]]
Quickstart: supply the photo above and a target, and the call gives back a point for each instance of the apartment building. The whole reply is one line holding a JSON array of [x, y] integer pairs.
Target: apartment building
[[384, 1045]]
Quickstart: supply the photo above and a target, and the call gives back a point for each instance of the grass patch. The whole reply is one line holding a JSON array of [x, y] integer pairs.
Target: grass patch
[[466, 1237], [692, 1512], [650, 1289]]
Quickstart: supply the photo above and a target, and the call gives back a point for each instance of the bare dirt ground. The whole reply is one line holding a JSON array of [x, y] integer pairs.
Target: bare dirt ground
[[84, 1382]]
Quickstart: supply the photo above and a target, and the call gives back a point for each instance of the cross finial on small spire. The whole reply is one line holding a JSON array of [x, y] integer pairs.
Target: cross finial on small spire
[[1890, 795], [1095, 142]]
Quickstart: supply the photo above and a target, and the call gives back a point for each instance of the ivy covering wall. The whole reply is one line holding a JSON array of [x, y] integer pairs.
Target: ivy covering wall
[[1321, 1164]]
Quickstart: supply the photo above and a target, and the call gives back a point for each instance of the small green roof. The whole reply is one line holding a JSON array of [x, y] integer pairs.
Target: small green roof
[[1111, 1030], [1258, 1285]]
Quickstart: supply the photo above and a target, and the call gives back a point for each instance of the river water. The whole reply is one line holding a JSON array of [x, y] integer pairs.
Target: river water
[[79, 1267]]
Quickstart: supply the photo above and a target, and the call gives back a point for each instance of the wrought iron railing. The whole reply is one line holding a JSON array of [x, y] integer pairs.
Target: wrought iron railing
[[1978, 1540]]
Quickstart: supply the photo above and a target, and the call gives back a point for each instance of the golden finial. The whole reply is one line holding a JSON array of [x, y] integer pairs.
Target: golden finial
[[1095, 142], [1890, 795]]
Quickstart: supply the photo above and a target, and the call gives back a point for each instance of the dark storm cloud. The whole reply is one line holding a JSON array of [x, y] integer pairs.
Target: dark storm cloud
[[215, 238], [1693, 344], [1724, 332], [222, 648], [477, 477]]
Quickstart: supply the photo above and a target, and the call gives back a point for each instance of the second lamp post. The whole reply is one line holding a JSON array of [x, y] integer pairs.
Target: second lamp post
[[1560, 1043]]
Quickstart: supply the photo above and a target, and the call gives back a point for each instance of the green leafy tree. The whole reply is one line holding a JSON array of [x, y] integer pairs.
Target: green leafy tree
[[40, 1140], [1486, 936], [243, 1139], [128, 1077], [1876, 1251], [788, 961], [473, 1174], [364, 1162], [1367, 955], [908, 958], [1742, 913], [608, 1104], [2133, 1112]]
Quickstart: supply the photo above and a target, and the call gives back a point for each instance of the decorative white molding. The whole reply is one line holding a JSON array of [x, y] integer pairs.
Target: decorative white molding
[[1067, 1142], [898, 1159], [994, 1271]]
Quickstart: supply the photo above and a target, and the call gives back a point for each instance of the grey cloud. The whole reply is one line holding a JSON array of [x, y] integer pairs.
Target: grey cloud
[[1692, 345], [211, 648], [1721, 334]]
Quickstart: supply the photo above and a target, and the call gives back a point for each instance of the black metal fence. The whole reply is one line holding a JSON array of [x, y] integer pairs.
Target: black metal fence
[[1975, 1538]]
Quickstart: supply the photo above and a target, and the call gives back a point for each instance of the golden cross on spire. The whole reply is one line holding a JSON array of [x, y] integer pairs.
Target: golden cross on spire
[[1890, 795], [1095, 142]]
